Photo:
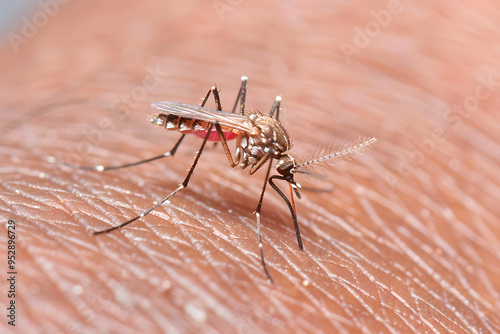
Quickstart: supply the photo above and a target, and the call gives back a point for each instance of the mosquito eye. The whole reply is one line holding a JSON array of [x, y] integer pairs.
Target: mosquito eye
[[285, 167]]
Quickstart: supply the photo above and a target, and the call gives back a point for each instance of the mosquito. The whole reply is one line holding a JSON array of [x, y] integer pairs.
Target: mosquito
[[260, 139]]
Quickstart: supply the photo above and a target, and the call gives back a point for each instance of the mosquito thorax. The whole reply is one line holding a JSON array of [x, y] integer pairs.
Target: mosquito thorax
[[271, 131], [269, 139]]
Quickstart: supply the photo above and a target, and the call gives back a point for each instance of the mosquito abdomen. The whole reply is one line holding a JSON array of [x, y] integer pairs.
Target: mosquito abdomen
[[172, 122], [188, 125]]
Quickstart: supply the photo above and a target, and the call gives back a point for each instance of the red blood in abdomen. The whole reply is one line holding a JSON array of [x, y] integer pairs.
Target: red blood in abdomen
[[214, 136]]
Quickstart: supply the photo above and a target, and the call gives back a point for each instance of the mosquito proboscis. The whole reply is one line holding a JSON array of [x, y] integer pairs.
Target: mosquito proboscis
[[260, 139]]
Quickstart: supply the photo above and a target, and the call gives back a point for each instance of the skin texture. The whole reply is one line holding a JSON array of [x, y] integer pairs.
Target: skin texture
[[409, 240]]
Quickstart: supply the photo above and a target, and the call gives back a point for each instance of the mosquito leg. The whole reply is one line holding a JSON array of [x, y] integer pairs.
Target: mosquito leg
[[276, 107], [291, 206], [259, 163], [242, 94], [257, 214], [101, 168], [294, 215], [223, 142], [215, 92], [181, 186]]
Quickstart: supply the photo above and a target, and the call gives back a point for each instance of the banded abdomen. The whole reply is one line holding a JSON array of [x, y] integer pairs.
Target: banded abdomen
[[195, 126]]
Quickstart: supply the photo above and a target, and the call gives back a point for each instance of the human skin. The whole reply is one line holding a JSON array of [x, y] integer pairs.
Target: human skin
[[408, 240]]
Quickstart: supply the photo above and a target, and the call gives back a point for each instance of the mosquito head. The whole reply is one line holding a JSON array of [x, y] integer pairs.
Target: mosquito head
[[286, 165]]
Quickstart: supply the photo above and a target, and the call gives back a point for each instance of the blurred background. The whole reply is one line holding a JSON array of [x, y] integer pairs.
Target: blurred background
[[11, 14]]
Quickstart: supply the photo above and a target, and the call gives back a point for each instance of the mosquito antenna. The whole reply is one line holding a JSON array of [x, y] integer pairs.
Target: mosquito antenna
[[337, 155], [291, 205]]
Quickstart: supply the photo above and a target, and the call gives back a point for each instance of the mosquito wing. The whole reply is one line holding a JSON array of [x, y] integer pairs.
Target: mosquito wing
[[234, 121]]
